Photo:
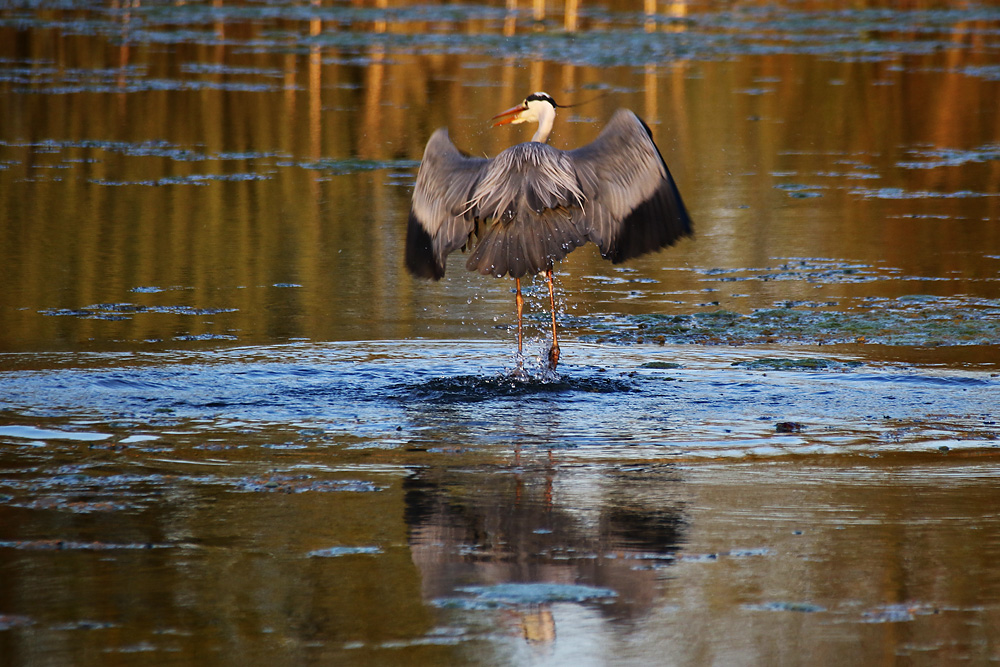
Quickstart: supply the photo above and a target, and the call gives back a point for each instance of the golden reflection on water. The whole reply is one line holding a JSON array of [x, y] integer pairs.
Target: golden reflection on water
[[730, 131], [747, 562], [83, 225]]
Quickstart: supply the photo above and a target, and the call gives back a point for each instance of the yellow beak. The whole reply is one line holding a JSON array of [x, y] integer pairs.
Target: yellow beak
[[509, 116]]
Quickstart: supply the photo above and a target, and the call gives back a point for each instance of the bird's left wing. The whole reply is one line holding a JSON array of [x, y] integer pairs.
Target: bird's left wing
[[439, 212], [633, 205]]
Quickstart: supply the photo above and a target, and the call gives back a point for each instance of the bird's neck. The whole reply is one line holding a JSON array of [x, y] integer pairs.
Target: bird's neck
[[546, 117]]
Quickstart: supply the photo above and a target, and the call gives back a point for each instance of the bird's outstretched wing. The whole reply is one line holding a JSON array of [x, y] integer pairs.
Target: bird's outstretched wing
[[440, 221], [533, 204], [632, 204]]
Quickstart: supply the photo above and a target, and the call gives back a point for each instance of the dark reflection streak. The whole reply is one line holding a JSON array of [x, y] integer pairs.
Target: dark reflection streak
[[532, 520], [536, 524]]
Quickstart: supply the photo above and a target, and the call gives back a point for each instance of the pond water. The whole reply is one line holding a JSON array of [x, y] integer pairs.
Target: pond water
[[234, 430]]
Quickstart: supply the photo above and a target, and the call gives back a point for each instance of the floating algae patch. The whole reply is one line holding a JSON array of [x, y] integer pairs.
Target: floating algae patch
[[304, 484], [8, 621], [622, 38], [193, 179], [615, 38], [950, 157], [77, 490], [907, 321], [518, 594], [810, 270], [807, 364], [898, 613], [334, 552], [153, 148], [902, 193], [800, 607], [338, 167], [72, 545], [125, 311]]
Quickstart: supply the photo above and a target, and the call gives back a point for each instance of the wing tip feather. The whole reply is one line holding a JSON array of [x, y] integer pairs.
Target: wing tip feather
[[657, 223], [420, 258]]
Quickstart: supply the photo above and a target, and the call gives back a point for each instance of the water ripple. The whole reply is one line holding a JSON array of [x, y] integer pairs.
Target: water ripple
[[605, 401]]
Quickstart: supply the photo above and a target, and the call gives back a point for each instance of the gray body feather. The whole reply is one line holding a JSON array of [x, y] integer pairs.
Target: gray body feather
[[532, 204]]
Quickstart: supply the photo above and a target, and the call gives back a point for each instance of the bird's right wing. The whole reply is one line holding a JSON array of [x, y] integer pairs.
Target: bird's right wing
[[633, 206], [439, 217]]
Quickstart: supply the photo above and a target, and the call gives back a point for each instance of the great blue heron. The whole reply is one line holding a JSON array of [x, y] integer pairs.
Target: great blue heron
[[533, 204]]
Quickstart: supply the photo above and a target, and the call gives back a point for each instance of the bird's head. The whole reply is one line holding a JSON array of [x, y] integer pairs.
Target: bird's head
[[534, 107]]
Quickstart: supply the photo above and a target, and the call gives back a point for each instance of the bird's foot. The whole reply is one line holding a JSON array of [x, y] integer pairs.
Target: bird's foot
[[553, 357], [519, 373]]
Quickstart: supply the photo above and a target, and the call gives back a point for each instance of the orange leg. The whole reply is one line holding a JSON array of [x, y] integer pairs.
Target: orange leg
[[520, 309], [554, 350]]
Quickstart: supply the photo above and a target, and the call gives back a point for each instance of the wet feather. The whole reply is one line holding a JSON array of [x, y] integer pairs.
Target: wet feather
[[532, 204]]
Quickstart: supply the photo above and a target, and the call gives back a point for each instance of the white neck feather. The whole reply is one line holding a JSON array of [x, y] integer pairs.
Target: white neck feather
[[546, 117]]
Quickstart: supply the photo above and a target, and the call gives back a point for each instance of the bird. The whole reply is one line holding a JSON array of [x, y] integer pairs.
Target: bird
[[523, 210]]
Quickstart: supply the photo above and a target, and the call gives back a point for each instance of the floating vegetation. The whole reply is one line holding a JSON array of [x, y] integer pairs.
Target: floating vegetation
[[799, 191], [900, 193], [72, 505], [661, 365], [149, 148], [78, 491], [205, 336], [125, 311], [334, 552], [898, 613], [304, 484], [800, 607], [266, 161], [985, 72], [788, 427], [927, 322], [216, 69], [72, 545], [951, 157], [125, 79], [616, 38], [193, 179], [807, 364], [351, 165], [806, 270], [520, 594], [8, 621]]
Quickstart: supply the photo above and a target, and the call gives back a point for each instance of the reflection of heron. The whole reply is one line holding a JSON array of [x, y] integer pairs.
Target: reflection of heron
[[527, 532], [532, 204]]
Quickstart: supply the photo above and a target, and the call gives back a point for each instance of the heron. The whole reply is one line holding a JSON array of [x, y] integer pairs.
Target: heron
[[532, 204]]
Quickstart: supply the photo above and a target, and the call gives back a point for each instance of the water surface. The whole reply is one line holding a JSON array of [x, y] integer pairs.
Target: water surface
[[234, 430]]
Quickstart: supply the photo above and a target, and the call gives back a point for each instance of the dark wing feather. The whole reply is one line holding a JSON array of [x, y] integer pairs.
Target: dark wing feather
[[633, 205], [440, 221]]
